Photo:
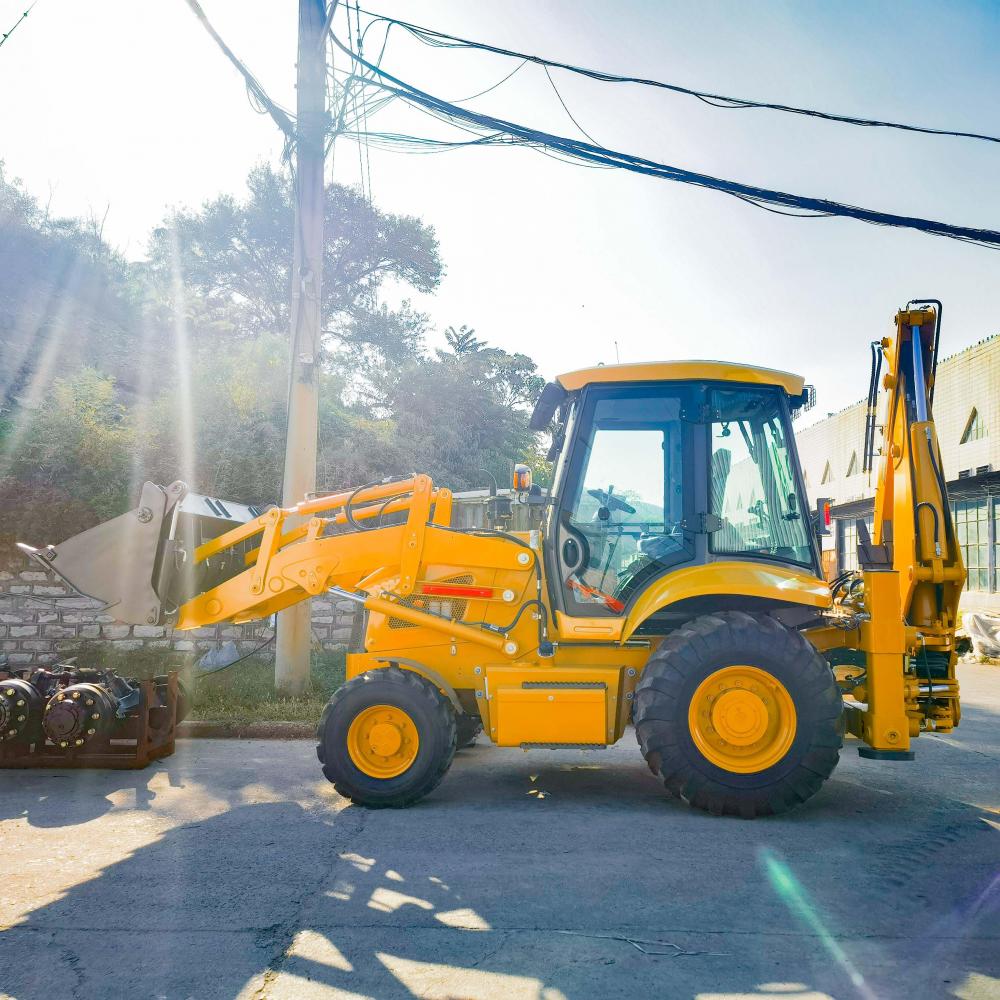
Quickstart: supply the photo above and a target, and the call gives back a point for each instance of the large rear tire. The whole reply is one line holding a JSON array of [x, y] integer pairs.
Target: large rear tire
[[739, 715], [386, 738]]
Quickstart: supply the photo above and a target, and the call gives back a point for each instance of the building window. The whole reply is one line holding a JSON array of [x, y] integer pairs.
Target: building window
[[852, 469], [975, 428], [847, 542], [972, 529], [827, 474], [996, 546]]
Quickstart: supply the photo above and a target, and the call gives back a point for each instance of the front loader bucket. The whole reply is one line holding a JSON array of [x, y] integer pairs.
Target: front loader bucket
[[116, 562], [141, 565]]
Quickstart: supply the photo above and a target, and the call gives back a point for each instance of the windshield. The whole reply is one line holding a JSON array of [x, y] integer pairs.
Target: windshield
[[754, 489]]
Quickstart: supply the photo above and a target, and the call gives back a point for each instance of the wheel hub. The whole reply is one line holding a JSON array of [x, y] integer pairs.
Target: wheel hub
[[739, 717], [383, 741], [742, 719]]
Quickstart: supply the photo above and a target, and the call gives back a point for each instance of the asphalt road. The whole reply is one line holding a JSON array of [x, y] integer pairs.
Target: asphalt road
[[234, 870]]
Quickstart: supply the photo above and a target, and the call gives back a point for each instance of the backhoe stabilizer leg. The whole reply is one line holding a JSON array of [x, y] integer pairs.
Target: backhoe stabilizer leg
[[885, 726]]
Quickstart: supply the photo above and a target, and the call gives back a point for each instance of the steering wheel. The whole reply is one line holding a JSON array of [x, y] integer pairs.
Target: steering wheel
[[610, 501]]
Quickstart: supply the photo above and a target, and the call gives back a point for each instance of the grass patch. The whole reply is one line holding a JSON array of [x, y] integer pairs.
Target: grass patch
[[245, 692]]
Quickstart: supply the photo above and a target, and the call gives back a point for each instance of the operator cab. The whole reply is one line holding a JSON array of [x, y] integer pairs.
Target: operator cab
[[666, 465]]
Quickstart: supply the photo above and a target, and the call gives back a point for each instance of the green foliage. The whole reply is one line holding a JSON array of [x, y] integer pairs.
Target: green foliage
[[81, 434], [236, 257], [177, 367], [65, 300]]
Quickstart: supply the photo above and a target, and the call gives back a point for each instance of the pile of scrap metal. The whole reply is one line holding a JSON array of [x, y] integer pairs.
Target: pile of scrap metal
[[70, 716]]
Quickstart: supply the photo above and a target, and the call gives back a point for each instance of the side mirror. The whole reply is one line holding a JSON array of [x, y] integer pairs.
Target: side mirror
[[522, 479], [549, 400]]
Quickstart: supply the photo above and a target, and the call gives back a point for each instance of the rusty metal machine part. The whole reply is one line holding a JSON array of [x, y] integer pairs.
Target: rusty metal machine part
[[79, 717]]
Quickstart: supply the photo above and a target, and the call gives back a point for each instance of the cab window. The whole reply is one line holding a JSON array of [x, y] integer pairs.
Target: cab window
[[622, 518]]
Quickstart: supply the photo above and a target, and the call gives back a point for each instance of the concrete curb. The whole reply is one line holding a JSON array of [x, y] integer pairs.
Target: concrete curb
[[197, 729]]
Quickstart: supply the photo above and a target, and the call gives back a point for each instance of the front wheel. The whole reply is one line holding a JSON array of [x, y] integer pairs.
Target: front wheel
[[386, 738], [739, 715]]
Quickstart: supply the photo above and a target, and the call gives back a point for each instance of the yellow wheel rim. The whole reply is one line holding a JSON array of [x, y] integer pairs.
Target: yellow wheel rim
[[383, 741], [742, 719]]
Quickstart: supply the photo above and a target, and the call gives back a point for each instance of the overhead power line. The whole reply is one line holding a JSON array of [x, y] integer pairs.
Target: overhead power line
[[440, 39], [257, 93], [17, 24], [501, 131]]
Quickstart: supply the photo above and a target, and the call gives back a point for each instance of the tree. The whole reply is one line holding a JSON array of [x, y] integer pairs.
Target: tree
[[178, 367], [463, 340], [67, 463], [66, 300], [466, 411], [236, 257]]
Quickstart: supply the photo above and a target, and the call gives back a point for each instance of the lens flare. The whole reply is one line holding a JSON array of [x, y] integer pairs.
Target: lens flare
[[182, 353], [790, 891]]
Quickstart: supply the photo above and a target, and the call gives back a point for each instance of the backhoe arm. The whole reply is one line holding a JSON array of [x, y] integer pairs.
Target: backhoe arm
[[912, 566]]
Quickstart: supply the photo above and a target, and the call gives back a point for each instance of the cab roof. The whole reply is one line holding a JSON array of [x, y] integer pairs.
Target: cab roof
[[677, 371]]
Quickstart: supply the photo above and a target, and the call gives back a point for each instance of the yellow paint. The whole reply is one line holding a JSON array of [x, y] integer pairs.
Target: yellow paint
[[677, 371], [582, 629], [742, 719], [383, 741], [512, 706], [781, 584], [548, 715]]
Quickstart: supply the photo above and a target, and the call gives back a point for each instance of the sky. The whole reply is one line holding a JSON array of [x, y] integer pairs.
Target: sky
[[127, 108]]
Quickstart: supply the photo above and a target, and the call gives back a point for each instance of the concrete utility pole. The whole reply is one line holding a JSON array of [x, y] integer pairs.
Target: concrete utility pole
[[291, 669]]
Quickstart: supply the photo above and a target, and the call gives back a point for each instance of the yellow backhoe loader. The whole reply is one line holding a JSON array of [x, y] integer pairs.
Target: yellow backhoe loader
[[670, 579]]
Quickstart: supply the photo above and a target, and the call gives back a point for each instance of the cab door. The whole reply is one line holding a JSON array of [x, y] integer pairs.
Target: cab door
[[622, 516]]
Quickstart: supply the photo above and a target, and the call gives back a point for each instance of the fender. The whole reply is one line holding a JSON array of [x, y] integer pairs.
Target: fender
[[781, 584], [432, 675]]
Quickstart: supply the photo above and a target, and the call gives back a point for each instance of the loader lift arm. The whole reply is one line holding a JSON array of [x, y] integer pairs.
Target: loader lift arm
[[388, 545], [903, 616]]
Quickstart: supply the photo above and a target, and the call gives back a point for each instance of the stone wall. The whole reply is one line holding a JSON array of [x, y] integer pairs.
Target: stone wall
[[42, 621]]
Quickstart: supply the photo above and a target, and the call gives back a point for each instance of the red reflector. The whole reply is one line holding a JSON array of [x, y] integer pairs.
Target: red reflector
[[826, 514], [455, 590]]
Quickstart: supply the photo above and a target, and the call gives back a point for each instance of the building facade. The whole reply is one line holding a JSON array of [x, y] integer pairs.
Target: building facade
[[967, 416]]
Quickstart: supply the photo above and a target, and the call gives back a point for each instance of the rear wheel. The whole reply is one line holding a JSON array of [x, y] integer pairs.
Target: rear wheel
[[386, 738], [738, 714]]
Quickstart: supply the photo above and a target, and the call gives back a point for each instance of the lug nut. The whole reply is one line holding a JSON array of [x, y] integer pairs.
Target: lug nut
[[78, 743], [90, 732], [9, 692], [96, 715]]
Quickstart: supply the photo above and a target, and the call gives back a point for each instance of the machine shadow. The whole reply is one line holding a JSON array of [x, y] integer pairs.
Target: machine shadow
[[445, 900], [48, 808]]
